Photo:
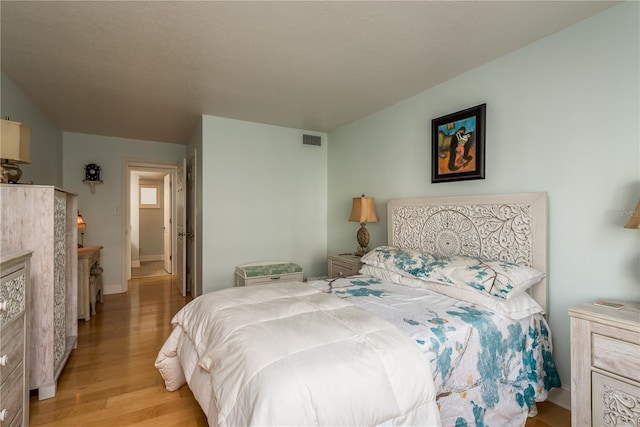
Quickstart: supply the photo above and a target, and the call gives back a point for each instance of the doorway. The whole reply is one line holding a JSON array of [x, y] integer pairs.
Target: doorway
[[151, 246], [150, 222]]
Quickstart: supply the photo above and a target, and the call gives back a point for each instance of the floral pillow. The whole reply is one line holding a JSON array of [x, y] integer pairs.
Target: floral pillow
[[518, 307], [496, 278]]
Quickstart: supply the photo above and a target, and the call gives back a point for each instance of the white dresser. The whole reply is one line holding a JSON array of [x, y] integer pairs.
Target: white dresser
[[43, 219], [605, 366], [14, 339]]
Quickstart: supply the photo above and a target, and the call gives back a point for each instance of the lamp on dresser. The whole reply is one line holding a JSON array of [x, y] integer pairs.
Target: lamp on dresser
[[363, 211], [15, 139], [81, 226]]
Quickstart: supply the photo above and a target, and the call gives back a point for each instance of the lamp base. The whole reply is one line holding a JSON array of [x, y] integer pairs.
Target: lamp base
[[10, 173], [363, 240]]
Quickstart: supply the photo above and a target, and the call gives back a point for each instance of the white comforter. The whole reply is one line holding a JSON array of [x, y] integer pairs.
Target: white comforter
[[288, 354]]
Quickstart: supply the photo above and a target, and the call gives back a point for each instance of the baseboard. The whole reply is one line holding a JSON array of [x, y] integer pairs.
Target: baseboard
[[135, 264], [561, 397], [151, 257], [112, 289]]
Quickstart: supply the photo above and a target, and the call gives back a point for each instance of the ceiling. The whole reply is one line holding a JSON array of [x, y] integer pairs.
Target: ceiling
[[148, 70]]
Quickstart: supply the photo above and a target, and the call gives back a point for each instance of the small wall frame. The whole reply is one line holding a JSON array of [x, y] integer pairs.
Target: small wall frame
[[458, 145]]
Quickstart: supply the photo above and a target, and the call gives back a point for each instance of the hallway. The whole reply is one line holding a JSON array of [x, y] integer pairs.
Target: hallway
[[149, 269]]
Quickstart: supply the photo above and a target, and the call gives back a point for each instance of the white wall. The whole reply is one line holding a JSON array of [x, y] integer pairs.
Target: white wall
[[102, 211], [46, 136], [264, 198], [562, 117]]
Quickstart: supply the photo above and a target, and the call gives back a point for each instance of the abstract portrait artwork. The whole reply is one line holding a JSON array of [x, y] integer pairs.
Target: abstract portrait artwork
[[458, 142]]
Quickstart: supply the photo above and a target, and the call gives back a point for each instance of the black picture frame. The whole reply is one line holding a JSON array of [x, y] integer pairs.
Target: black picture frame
[[465, 160]]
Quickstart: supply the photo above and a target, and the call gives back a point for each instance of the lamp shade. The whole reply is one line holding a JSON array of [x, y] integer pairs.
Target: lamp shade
[[15, 141], [81, 224], [363, 210], [634, 221]]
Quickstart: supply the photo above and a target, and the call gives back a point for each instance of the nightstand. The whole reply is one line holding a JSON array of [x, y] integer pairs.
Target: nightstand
[[605, 365], [344, 265]]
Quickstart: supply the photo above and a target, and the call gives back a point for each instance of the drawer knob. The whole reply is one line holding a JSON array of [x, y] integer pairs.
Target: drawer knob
[[4, 305], [4, 415], [4, 360]]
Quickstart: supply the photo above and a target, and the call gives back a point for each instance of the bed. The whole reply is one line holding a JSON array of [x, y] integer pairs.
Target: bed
[[444, 326]]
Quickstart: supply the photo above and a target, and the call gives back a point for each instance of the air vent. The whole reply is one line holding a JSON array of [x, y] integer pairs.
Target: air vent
[[311, 140]]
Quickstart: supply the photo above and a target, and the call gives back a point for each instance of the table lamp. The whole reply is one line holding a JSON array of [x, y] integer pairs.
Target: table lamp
[[15, 140], [363, 211], [81, 226]]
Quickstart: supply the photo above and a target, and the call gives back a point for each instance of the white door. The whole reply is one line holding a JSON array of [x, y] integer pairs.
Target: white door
[[181, 215], [166, 223]]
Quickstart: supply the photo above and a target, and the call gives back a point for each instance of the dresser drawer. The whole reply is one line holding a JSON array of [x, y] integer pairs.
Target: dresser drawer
[[17, 420], [12, 395], [264, 280], [11, 346], [12, 295], [616, 356]]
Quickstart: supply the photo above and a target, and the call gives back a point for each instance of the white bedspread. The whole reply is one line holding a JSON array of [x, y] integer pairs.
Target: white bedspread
[[288, 354]]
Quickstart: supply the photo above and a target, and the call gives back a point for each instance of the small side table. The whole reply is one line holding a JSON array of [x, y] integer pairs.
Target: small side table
[[88, 258], [344, 265], [605, 364]]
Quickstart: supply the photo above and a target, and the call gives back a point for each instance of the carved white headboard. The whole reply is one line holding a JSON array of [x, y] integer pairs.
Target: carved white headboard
[[511, 227]]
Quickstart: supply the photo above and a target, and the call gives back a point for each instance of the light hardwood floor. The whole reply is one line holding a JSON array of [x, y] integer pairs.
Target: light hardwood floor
[[148, 268], [110, 379]]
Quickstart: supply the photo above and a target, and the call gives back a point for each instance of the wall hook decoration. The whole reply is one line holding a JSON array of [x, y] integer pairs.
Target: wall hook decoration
[[92, 176]]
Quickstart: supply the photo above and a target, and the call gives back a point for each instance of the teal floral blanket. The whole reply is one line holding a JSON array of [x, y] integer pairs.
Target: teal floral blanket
[[488, 370]]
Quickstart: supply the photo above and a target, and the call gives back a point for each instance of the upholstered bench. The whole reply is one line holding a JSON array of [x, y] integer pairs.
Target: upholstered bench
[[261, 273]]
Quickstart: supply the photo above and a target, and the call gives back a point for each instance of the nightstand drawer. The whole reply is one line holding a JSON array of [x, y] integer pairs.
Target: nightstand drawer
[[343, 265], [339, 269], [613, 400], [616, 356]]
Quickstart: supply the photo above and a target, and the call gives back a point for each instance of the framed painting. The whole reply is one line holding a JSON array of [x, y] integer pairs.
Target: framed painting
[[457, 145]]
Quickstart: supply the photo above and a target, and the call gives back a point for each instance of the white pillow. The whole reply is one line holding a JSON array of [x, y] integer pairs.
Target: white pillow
[[168, 363], [517, 307], [495, 278]]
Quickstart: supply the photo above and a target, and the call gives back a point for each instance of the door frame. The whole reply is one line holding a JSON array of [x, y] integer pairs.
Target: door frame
[[195, 285], [135, 165]]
